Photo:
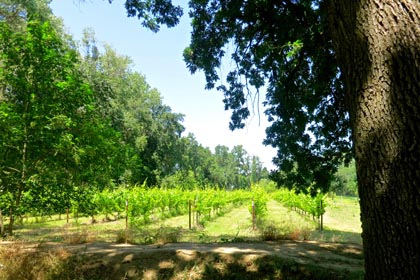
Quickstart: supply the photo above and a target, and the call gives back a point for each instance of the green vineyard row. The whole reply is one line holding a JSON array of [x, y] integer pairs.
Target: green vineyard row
[[306, 203], [141, 204]]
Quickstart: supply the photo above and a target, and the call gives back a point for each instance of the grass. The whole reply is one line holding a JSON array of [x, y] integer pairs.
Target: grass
[[233, 226], [60, 231], [341, 221], [284, 223], [344, 214]]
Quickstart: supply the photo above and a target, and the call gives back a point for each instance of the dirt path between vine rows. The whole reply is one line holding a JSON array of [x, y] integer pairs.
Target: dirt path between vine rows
[[212, 261]]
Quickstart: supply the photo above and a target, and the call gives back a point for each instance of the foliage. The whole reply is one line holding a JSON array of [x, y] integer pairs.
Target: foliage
[[345, 182], [267, 185], [152, 142], [259, 202], [154, 13], [76, 120], [234, 168], [144, 205], [305, 202], [285, 50], [150, 131], [185, 181], [46, 114]]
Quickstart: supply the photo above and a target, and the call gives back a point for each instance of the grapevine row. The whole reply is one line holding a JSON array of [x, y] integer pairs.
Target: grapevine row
[[314, 206], [142, 203]]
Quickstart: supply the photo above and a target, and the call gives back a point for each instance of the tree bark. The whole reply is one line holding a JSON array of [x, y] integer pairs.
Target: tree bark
[[1, 225], [377, 43]]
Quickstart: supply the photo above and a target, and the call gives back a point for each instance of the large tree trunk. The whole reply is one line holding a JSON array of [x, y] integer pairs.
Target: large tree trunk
[[378, 47]]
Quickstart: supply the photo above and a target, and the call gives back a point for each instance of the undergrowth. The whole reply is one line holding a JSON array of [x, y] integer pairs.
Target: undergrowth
[[270, 231]]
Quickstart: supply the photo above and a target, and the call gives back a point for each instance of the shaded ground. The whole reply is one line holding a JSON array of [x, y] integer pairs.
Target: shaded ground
[[259, 260]]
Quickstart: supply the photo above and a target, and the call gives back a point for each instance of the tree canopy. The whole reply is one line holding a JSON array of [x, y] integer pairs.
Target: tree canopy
[[282, 50]]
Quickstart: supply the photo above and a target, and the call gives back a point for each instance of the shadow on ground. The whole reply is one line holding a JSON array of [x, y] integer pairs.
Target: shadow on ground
[[256, 260]]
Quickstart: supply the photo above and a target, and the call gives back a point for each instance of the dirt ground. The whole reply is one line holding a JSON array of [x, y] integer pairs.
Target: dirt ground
[[246, 260]]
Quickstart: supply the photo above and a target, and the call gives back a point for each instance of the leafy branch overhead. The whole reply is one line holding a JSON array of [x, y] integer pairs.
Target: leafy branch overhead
[[283, 53], [154, 13], [286, 52]]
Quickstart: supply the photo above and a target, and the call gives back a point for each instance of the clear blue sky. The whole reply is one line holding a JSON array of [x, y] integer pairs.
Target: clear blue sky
[[158, 56]]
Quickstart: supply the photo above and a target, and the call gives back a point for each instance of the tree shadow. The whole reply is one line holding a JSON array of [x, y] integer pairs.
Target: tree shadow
[[299, 261], [334, 236]]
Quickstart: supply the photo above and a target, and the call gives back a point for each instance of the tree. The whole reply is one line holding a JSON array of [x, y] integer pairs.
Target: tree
[[287, 64], [194, 157], [242, 167], [345, 182], [199, 167], [330, 68], [150, 130], [42, 98], [52, 137], [258, 171], [223, 170], [379, 51]]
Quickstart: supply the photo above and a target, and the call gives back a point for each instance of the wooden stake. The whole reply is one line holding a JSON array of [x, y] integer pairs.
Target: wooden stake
[[126, 221], [126, 214], [189, 214], [253, 214], [322, 219]]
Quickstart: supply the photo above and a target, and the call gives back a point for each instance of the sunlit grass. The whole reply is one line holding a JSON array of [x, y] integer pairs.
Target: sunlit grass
[[283, 215], [234, 225], [55, 230], [341, 221], [343, 213]]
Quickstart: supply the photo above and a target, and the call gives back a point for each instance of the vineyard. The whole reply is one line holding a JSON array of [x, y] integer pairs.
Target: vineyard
[[140, 206], [135, 230]]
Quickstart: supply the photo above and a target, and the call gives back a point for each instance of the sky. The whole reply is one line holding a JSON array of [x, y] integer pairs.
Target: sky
[[158, 56]]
